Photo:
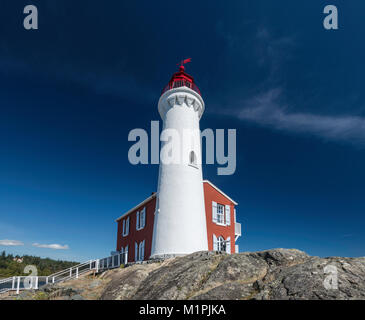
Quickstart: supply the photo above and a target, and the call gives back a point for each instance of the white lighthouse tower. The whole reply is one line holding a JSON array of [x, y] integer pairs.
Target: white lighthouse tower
[[180, 221]]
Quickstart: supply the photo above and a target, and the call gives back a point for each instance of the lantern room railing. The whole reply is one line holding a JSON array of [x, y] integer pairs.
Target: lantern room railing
[[181, 83]]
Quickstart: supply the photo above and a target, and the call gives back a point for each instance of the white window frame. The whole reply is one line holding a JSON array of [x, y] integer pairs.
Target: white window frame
[[141, 219], [221, 214], [125, 231], [221, 244], [139, 251]]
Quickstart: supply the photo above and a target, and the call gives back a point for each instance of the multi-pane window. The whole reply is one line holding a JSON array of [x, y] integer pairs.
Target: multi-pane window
[[220, 213], [221, 244], [141, 219], [125, 230], [139, 251]]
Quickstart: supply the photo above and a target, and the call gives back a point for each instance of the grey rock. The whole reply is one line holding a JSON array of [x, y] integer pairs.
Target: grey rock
[[95, 284], [277, 274], [182, 278]]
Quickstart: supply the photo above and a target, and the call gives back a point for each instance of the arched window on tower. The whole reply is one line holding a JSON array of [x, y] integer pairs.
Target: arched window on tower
[[192, 159]]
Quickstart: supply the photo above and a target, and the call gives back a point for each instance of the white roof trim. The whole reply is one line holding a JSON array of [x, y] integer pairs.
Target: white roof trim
[[138, 205], [220, 191]]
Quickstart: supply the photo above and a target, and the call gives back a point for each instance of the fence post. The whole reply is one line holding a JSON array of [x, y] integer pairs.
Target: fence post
[[52, 279], [119, 260], [13, 284], [77, 273], [71, 272], [97, 265], [47, 280], [36, 283], [18, 286]]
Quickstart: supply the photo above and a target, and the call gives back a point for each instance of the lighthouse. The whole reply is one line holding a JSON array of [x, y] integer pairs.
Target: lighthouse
[[186, 214], [180, 222]]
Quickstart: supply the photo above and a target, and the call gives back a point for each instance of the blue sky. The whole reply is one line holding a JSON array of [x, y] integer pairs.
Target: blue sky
[[71, 91]]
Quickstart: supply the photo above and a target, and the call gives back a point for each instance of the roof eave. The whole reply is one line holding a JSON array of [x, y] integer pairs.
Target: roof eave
[[220, 191], [136, 207]]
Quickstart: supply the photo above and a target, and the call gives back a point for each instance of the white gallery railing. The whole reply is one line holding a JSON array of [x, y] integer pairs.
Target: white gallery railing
[[19, 283]]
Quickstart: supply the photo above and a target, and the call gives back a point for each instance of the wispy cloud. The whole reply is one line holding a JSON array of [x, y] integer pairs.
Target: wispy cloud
[[51, 246], [7, 242], [273, 52], [267, 109]]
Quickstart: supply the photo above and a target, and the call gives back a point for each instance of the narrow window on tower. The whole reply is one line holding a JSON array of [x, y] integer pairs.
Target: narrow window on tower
[[192, 159]]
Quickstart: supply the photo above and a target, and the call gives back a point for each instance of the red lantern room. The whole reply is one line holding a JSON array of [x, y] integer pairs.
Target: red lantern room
[[181, 79]]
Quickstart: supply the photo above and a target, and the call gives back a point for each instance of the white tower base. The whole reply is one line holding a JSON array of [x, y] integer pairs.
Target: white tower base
[[180, 221]]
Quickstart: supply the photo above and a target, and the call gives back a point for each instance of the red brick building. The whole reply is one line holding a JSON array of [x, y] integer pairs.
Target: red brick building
[[135, 227]]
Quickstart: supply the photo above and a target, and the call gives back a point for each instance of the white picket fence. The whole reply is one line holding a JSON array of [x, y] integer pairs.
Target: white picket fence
[[19, 283]]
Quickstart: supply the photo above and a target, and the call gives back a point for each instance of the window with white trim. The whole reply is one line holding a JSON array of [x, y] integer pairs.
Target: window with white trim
[[125, 230], [221, 244], [220, 213], [139, 251], [141, 219]]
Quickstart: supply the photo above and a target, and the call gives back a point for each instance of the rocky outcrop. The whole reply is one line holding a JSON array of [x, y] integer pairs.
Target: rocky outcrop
[[266, 275]]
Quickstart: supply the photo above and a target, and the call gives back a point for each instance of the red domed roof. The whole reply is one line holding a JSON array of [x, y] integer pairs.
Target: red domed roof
[[181, 79]]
